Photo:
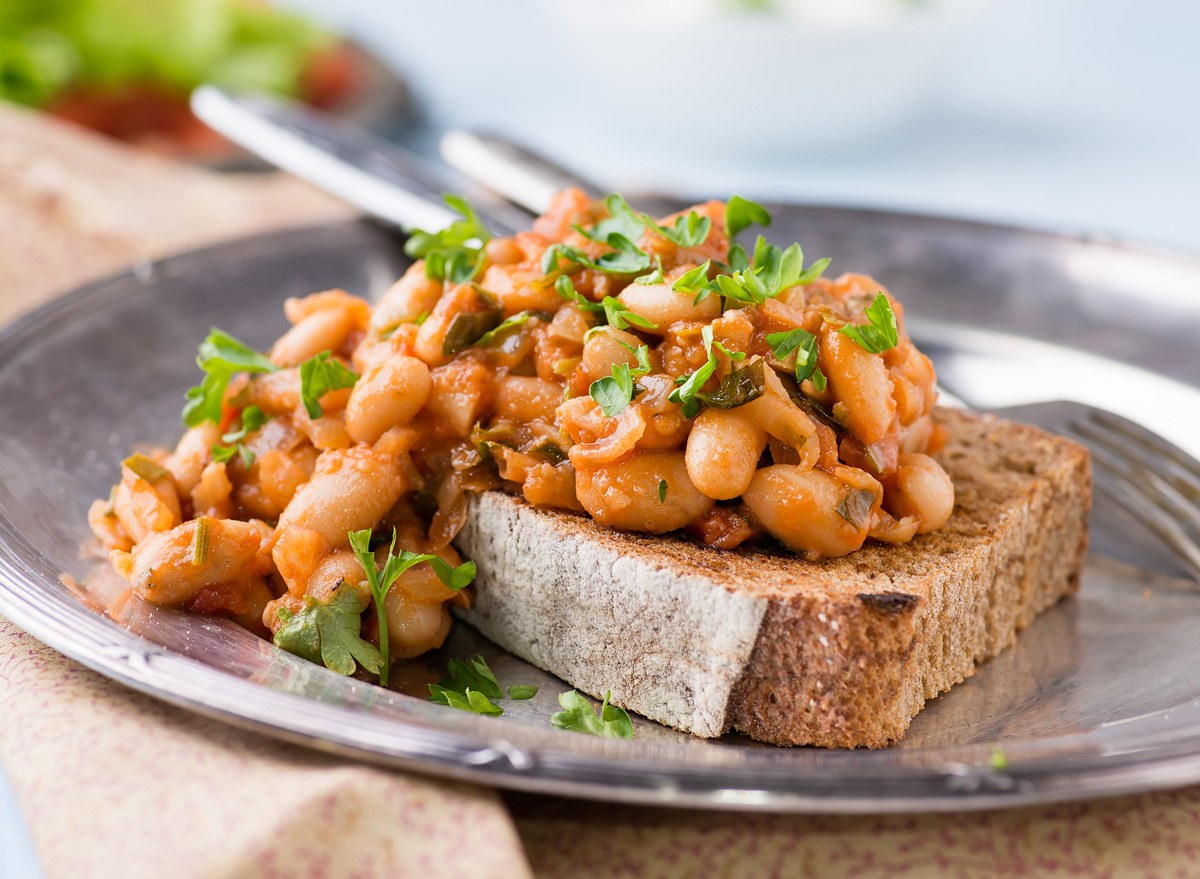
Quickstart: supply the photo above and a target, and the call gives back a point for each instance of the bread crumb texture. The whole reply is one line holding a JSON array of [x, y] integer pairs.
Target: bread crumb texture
[[838, 653]]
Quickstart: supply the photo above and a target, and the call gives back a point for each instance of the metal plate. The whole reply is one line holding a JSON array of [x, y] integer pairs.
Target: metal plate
[[1099, 696]]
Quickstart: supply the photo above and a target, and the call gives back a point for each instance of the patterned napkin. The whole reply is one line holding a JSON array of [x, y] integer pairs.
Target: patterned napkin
[[116, 784]]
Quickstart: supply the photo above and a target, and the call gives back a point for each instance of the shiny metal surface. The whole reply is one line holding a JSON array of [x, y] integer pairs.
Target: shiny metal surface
[[346, 160], [1099, 695]]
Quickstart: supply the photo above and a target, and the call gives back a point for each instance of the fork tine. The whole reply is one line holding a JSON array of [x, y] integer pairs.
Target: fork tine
[[1135, 432], [1125, 475], [1154, 519], [1143, 473]]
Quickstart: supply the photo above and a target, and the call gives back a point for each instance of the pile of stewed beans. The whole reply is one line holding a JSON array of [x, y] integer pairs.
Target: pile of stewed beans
[[433, 415]]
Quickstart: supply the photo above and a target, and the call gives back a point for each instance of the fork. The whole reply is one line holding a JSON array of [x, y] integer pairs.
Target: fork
[[1150, 476], [1137, 468]]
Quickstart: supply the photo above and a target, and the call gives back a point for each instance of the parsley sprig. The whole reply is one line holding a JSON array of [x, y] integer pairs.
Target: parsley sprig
[[688, 393], [741, 214], [578, 715], [804, 345], [380, 581], [774, 270], [472, 686], [454, 254], [221, 357], [625, 258], [615, 313], [621, 219], [689, 231], [320, 375], [329, 634], [252, 419], [615, 392], [880, 333]]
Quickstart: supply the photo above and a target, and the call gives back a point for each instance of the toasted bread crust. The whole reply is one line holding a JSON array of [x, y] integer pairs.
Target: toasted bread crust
[[837, 653]]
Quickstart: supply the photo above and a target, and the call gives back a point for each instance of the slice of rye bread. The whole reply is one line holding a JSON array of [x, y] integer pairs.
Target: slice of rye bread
[[839, 653]]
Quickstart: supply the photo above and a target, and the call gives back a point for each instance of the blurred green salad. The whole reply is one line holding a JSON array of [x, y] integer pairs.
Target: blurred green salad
[[47, 46]]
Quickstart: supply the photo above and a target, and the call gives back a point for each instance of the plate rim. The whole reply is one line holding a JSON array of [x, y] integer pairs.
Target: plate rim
[[130, 659]]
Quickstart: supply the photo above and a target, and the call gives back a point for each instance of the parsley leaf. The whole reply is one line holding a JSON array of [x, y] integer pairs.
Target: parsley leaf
[[578, 715], [614, 392], [741, 213], [689, 392], [381, 581], [804, 344], [621, 317], [614, 310], [695, 281], [662, 491], [625, 258], [473, 675], [318, 376], [775, 270], [455, 254], [881, 333], [221, 356], [655, 277], [689, 231], [471, 687], [252, 419], [329, 633], [622, 220], [784, 268]]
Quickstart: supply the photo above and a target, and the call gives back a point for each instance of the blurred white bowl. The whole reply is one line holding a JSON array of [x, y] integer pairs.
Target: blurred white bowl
[[715, 77]]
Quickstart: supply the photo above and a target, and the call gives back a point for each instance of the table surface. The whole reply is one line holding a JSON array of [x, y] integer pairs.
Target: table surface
[[1062, 114]]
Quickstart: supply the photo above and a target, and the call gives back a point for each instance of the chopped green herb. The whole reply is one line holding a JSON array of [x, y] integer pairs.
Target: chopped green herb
[[380, 582], [695, 281], [146, 468], [614, 392], [688, 393], [655, 277], [200, 542], [855, 506], [252, 419], [318, 376], [689, 231], [221, 356], [578, 715], [662, 491], [625, 259], [804, 344], [471, 687], [455, 254], [622, 220], [330, 633], [614, 311], [622, 318], [881, 333], [741, 213], [472, 675]]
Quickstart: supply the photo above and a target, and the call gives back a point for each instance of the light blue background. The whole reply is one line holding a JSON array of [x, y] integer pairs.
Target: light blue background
[[1064, 114]]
